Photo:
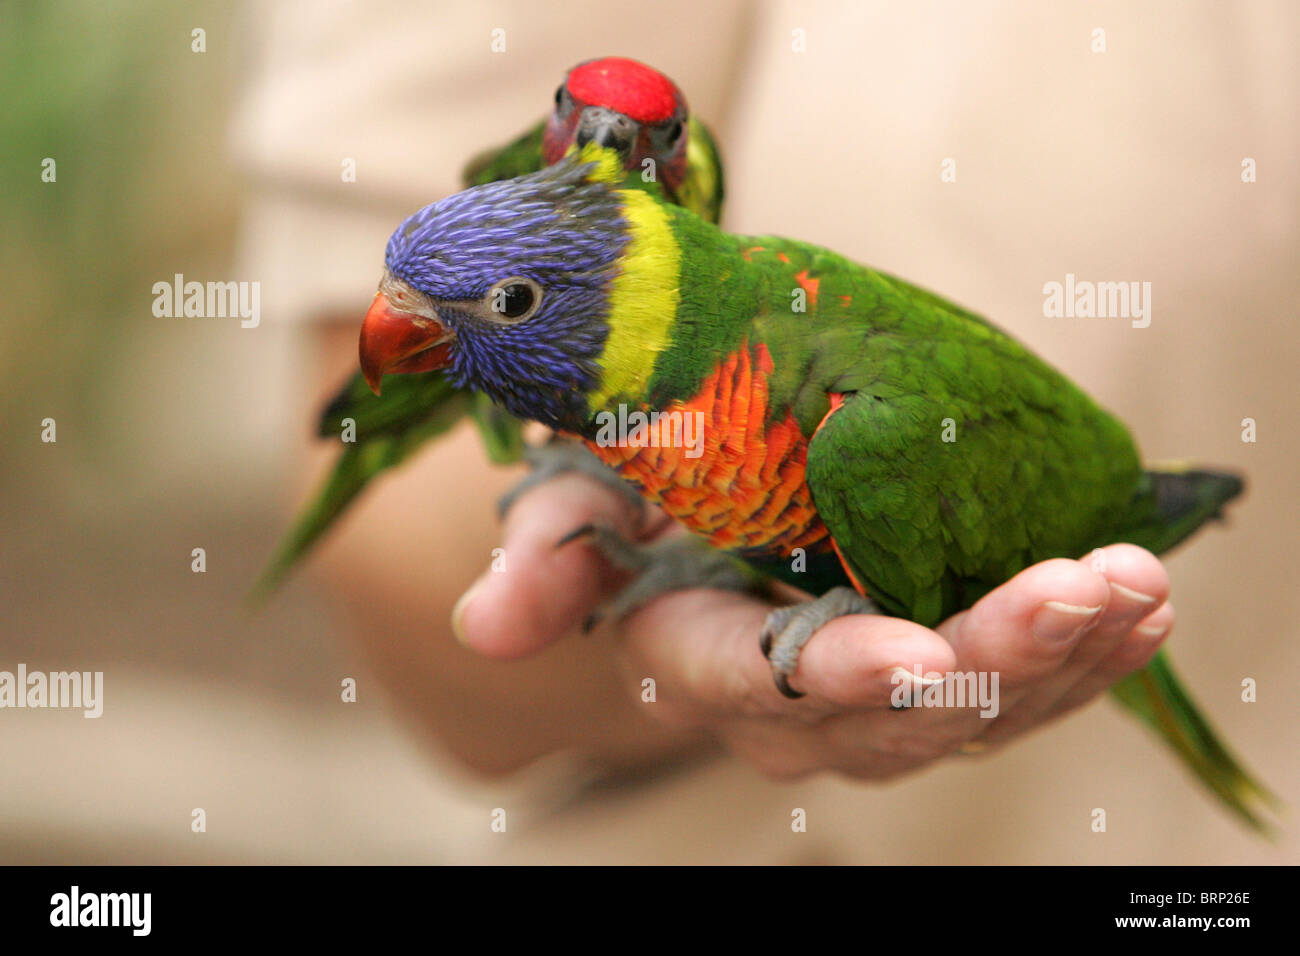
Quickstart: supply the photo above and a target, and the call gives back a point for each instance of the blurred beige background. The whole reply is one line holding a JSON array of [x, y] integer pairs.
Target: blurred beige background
[[183, 433]]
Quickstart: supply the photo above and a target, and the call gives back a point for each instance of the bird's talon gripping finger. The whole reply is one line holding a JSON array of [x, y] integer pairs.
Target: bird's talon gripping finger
[[788, 629], [621, 551], [774, 624], [783, 685], [561, 457], [582, 531], [663, 566]]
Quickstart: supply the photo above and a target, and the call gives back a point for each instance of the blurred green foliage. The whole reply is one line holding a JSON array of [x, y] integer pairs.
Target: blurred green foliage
[[135, 122]]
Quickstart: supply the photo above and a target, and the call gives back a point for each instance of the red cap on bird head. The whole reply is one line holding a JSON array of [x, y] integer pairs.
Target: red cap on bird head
[[626, 86]]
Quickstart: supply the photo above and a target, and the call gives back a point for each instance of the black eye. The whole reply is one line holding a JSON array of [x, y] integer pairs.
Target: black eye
[[675, 132], [514, 299]]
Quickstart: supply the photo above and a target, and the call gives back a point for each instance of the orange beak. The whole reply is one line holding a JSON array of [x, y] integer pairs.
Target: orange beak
[[395, 342]]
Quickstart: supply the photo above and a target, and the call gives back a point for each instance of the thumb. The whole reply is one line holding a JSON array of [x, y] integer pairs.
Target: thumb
[[539, 593]]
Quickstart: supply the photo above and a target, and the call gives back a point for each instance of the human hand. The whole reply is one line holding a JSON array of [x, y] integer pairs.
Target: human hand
[[1057, 635]]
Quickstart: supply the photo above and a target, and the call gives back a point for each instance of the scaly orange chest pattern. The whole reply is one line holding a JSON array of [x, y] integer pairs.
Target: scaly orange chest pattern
[[745, 492]]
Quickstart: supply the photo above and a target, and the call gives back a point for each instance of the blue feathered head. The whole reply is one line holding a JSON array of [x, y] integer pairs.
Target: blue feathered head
[[505, 285]]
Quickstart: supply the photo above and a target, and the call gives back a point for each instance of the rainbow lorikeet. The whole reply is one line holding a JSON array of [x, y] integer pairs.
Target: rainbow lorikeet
[[574, 300], [616, 102]]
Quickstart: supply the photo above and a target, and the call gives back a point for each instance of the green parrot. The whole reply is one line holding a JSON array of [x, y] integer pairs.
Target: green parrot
[[619, 103], [791, 402]]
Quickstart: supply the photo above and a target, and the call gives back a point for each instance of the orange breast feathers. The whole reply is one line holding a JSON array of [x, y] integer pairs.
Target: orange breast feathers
[[740, 482]]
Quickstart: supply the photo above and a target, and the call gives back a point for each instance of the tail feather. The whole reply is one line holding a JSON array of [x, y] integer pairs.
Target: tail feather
[[1155, 695], [385, 431], [351, 474], [388, 430], [1172, 503]]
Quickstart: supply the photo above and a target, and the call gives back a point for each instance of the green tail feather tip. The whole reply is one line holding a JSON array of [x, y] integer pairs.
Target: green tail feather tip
[[389, 429], [347, 480], [1156, 696], [355, 469]]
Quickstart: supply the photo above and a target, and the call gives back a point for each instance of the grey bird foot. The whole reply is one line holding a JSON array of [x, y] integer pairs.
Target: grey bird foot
[[560, 456], [788, 629], [666, 565]]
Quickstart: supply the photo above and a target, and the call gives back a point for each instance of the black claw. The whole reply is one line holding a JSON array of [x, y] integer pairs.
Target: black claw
[[765, 644], [505, 503], [783, 685], [582, 531], [589, 622]]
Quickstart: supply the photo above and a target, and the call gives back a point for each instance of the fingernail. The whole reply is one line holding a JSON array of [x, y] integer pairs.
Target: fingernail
[[1057, 622], [458, 611], [910, 678], [1131, 594], [1151, 630]]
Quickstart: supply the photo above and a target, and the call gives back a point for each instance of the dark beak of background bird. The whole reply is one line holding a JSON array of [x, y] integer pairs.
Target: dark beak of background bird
[[607, 128], [398, 342]]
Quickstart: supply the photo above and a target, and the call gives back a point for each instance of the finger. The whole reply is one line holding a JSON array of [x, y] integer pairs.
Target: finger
[[1020, 633], [542, 592], [1026, 629], [1136, 650], [702, 649], [1133, 653], [871, 661], [1138, 585], [1025, 632]]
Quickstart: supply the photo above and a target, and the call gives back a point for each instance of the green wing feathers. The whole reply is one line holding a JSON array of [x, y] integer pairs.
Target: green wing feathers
[[406, 401], [502, 433], [958, 459], [704, 188], [517, 158], [413, 401]]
